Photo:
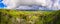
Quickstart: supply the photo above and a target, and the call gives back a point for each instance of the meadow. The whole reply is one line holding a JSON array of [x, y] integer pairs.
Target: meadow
[[29, 17]]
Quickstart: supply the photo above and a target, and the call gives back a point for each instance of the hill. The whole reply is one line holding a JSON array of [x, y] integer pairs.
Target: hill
[[29, 17]]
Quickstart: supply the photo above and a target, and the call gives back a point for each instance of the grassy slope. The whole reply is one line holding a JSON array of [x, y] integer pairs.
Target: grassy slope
[[33, 17]]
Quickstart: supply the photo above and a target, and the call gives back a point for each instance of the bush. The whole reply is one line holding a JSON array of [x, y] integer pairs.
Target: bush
[[29, 17]]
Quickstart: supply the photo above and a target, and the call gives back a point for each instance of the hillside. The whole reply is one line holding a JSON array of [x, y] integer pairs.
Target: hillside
[[29, 17]]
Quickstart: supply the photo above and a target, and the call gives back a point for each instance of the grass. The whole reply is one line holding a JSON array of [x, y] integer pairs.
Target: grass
[[28, 17]]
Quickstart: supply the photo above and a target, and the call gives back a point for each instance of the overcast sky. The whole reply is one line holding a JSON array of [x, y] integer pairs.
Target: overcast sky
[[46, 4]]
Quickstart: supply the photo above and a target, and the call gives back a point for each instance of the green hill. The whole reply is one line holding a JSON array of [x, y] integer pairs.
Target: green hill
[[29, 17]]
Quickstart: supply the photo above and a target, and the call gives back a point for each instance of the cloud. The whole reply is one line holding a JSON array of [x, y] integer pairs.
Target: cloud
[[11, 4], [15, 3]]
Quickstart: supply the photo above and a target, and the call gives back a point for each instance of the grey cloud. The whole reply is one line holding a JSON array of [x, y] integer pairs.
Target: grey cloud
[[12, 4]]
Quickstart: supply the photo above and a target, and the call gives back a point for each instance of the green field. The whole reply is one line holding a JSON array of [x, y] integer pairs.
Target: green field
[[29, 17]]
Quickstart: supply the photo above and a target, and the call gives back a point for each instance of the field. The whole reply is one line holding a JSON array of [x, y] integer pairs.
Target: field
[[29, 17]]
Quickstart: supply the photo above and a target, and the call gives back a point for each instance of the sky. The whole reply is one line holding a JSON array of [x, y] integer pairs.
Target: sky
[[27, 4], [1, 4]]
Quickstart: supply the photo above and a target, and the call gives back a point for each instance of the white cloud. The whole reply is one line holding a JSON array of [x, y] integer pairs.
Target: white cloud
[[45, 3], [14, 3]]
